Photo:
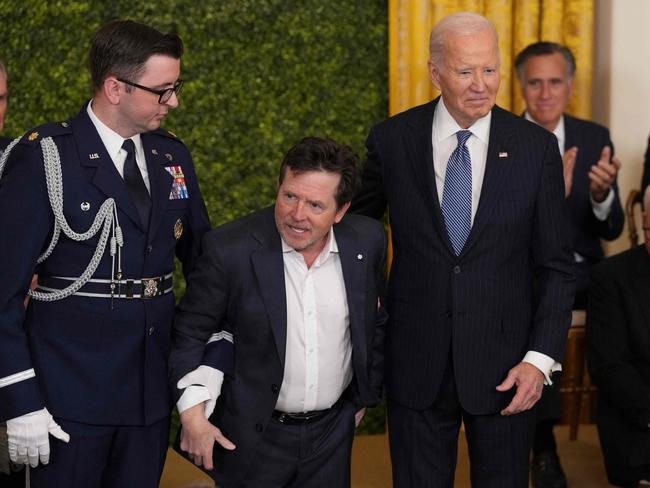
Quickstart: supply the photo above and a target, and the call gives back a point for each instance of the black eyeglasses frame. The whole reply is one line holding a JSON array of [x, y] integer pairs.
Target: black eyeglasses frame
[[163, 95]]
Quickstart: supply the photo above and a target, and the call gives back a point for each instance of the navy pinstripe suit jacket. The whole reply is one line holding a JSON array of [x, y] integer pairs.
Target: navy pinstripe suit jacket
[[509, 291]]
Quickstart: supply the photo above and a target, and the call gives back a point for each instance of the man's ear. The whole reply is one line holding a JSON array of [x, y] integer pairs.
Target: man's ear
[[341, 212], [434, 74], [113, 90], [570, 82]]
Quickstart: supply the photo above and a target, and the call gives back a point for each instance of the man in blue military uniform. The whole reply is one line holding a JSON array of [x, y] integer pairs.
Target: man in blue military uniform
[[97, 206]]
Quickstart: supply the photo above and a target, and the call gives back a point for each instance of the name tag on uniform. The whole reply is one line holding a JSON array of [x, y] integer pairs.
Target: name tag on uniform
[[179, 188]]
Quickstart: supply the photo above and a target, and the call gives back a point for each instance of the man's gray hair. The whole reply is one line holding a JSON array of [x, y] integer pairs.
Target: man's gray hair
[[461, 23]]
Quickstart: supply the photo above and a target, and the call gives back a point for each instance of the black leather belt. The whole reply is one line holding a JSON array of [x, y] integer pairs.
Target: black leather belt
[[301, 418], [144, 288]]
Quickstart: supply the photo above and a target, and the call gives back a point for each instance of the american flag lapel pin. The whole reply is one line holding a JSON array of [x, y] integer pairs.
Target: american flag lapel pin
[[503, 154]]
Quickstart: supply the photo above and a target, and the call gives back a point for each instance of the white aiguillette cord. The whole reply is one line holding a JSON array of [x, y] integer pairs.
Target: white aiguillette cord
[[106, 219]]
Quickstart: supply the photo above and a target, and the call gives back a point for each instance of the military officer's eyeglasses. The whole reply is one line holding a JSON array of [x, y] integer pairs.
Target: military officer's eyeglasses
[[163, 95]]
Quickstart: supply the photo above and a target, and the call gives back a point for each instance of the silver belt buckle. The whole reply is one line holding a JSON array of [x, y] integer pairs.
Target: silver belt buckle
[[150, 287]]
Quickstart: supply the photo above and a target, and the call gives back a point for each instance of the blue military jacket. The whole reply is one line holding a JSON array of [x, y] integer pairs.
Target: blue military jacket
[[93, 361]]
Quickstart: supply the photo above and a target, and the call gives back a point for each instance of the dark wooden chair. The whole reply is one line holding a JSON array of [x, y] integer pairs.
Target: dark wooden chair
[[634, 200], [576, 389]]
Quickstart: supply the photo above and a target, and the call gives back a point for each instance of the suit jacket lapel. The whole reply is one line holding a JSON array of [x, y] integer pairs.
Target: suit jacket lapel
[[268, 266], [160, 182], [570, 135], [93, 155], [420, 155], [354, 264], [500, 158]]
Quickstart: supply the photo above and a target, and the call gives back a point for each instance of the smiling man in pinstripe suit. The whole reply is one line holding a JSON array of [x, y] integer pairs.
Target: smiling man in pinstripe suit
[[481, 284]]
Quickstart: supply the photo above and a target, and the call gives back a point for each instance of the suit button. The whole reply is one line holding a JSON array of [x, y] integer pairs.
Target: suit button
[[456, 269], [448, 313], [259, 427], [149, 249], [151, 330], [275, 388]]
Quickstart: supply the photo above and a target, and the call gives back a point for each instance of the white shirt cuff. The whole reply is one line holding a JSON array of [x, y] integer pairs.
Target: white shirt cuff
[[193, 395], [544, 363], [601, 209]]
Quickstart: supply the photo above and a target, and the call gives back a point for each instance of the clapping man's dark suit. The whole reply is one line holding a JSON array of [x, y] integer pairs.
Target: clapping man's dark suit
[[461, 325], [240, 290], [546, 71], [618, 356]]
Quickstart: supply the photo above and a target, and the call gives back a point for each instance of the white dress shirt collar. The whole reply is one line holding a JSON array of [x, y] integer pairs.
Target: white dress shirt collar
[[559, 131], [111, 139], [330, 247], [445, 126], [113, 143]]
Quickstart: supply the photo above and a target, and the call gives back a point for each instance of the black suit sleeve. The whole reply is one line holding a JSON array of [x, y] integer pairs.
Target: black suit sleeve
[[609, 353], [371, 199], [612, 227], [200, 314], [376, 372]]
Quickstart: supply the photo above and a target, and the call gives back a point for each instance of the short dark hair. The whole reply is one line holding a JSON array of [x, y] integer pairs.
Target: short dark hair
[[544, 48], [322, 154], [122, 47]]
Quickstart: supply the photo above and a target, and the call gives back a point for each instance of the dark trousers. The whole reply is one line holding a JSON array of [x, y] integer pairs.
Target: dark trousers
[[424, 444], [105, 457], [13, 480], [313, 455], [548, 414]]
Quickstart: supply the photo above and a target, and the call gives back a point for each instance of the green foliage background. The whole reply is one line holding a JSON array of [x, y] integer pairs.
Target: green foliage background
[[260, 74]]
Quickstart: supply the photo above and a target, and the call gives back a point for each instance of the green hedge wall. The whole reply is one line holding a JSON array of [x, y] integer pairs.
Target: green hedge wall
[[260, 74]]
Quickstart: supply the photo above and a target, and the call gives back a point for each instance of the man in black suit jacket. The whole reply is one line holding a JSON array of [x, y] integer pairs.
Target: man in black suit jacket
[[472, 332], [287, 299], [546, 71], [618, 357]]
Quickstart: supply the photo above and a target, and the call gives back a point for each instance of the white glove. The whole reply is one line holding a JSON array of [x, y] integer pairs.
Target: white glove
[[195, 383], [28, 437]]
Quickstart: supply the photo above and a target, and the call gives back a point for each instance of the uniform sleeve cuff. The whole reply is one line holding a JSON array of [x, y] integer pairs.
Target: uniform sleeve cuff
[[193, 395]]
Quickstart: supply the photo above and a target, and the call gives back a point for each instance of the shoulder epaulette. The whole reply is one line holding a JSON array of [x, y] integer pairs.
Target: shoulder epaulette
[[167, 134], [51, 129]]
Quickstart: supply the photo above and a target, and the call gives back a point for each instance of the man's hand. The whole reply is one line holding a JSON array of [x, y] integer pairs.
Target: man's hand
[[569, 163], [28, 437], [529, 381], [603, 174], [358, 416], [198, 436]]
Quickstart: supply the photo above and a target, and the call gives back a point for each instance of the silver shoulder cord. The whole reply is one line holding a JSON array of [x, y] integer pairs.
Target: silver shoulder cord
[[106, 218]]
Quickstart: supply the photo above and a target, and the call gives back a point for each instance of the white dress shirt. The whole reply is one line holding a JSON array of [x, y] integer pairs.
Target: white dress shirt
[[113, 144], [318, 359], [444, 142]]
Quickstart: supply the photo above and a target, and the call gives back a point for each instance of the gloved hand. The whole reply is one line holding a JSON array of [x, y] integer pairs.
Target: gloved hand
[[28, 437], [208, 377]]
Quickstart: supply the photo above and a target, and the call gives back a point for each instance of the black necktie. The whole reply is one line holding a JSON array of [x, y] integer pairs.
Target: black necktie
[[135, 183]]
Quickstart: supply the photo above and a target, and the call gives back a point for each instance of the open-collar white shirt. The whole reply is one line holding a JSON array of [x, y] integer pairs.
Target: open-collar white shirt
[[318, 357]]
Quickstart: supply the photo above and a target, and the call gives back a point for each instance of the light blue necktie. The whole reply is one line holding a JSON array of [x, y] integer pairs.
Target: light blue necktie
[[457, 194]]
